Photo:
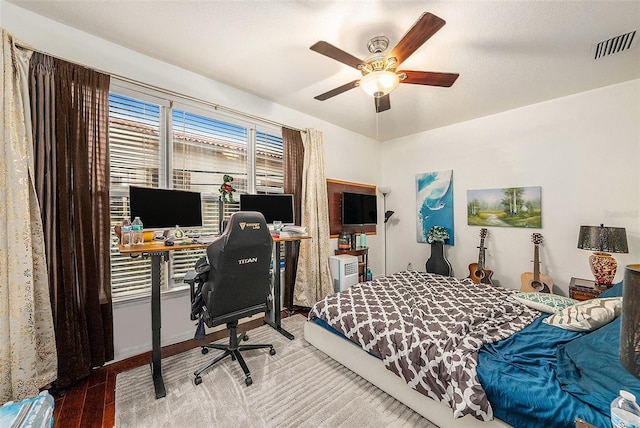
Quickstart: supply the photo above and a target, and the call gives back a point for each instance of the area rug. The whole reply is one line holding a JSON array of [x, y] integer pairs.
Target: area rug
[[298, 387]]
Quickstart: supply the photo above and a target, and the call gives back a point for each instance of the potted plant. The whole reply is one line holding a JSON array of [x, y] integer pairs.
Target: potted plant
[[437, 262]]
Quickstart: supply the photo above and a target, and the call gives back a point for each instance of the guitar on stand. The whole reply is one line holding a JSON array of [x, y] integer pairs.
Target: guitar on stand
[[477, 272], [536, 281]]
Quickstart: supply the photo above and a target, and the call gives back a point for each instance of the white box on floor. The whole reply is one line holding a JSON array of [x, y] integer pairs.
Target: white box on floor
[[344, 271]]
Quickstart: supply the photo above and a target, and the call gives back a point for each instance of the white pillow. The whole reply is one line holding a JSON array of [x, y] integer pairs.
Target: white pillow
[[544, 302], [588, 315]]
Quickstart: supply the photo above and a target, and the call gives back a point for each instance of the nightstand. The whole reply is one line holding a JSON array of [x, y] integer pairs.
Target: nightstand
[[583, 293], [363, 263]]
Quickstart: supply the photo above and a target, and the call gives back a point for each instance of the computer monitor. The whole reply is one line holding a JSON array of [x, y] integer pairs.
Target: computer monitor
[[278, 207], [165, 208]]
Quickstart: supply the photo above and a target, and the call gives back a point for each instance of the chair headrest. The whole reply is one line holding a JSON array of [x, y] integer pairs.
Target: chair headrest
[[246, 226]]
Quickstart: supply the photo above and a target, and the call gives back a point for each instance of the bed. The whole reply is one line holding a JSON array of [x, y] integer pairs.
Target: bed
[[459, 353]]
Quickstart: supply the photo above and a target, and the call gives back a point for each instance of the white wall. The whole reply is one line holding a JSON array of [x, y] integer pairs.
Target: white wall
[[584, 150], [348, 156]]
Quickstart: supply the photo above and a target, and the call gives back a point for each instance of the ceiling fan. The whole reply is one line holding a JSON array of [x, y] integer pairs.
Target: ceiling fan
[[379, 75]]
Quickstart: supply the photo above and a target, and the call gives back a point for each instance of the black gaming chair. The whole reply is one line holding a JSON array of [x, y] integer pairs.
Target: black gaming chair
[[237, 284]]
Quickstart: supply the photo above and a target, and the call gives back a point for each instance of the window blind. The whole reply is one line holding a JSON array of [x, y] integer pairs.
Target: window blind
[[194, 153], [134, 145]]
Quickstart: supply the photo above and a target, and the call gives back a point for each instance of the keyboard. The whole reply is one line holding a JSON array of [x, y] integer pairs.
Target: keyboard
[[206, 239]]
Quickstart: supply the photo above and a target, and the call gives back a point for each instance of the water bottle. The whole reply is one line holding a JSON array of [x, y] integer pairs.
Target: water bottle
[[136, 232], [625, 412], [363, 240], [125, 232]]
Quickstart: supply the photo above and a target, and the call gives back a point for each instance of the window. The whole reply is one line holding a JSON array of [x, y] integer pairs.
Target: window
[[168, 143]]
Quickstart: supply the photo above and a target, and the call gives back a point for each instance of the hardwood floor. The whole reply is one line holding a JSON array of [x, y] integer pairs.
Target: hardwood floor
[[91, 403]]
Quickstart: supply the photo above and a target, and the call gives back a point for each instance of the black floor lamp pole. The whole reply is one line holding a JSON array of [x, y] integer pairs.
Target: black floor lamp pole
[[387, 215], [384, 204]]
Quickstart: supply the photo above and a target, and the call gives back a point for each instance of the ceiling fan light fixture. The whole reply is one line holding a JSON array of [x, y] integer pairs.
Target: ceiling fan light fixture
[[379, 83]]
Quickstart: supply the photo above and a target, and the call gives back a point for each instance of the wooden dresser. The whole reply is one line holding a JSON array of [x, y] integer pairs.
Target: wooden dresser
[[584, 293]]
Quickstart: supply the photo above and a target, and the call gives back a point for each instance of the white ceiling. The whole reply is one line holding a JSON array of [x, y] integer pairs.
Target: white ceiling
[[508, 53]]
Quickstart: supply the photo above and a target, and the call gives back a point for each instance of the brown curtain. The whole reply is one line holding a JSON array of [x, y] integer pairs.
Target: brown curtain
[[293, 161], [70, 108]]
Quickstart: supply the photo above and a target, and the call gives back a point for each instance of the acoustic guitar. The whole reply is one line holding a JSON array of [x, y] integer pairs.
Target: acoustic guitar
[[536, 281], [477, 272]]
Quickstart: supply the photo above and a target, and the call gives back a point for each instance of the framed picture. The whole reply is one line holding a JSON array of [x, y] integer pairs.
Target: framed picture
[[506, 207], [434, 202]]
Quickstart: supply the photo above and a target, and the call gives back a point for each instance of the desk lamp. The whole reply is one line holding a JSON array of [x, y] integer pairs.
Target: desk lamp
[[603, 240]]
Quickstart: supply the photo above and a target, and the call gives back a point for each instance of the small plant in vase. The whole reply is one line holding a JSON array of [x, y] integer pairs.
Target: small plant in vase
[[437, 234], [438, 263]]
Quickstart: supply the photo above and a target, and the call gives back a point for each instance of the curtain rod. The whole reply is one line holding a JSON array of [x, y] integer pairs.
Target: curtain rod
[[169, 92]]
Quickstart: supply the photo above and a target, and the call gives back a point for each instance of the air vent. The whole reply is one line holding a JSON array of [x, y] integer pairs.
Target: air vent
[[614, 45]]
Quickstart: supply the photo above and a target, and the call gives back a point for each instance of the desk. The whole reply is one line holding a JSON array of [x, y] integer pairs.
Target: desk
[[277, 316], [157, 251]]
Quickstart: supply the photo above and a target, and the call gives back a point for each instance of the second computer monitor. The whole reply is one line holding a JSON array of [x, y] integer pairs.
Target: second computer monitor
[[278, 207]]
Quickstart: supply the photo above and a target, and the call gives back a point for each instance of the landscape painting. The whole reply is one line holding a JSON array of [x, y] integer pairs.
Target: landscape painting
[[507, 207], [434, 201]]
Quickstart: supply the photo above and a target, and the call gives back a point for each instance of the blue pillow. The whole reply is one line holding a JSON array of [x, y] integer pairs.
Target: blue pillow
[[615, 291]]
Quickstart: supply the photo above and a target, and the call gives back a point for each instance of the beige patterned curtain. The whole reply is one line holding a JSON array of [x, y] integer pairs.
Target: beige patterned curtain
[[313, 280], [27, 344]]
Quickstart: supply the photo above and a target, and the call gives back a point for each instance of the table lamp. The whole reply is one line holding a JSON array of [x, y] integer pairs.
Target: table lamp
[[603, 240], [630, 321]]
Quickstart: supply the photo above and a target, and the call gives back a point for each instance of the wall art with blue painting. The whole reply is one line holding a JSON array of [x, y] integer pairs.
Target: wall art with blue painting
[[434, 201]]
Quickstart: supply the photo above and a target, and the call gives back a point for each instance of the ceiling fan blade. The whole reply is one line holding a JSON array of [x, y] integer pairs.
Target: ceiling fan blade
[[430, 78], [337, 91], [383, 103], [333, 52], [425, 27]]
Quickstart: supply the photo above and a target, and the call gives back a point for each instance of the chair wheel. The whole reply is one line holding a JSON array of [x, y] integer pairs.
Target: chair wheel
[[197, 380], [205, 351], [272, 351], [248, 380], [245, 337]]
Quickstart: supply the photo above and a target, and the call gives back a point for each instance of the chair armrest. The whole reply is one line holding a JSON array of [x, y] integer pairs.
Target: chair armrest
[[190, 278]]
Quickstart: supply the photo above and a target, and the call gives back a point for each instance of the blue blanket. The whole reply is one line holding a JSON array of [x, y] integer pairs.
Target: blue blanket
[[559, 373]]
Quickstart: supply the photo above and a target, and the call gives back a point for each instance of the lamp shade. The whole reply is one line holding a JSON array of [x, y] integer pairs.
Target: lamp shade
[[604, 239], [630, 321], [379, 83], [384, 190]]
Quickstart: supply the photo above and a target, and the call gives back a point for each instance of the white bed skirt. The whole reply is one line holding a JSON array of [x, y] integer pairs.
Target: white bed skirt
[[372, 369]]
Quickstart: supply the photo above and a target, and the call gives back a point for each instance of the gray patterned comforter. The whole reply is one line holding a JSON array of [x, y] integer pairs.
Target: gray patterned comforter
[[427, 329]]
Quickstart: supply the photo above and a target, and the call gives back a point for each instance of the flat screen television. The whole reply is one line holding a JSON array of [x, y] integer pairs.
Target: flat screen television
[[359, 209], [165, 208], [277, 207]]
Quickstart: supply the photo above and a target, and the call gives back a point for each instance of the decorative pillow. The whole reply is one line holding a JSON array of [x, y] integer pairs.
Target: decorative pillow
[[588, 315], [544, 302]]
